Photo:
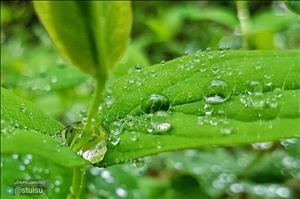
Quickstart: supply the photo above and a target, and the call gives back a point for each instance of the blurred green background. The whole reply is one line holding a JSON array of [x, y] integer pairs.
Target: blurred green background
[[162, 30]]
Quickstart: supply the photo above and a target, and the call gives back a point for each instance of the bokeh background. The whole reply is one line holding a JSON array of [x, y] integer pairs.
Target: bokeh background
[[162, 30]]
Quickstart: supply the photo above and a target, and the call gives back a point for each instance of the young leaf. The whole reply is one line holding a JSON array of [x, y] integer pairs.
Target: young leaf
[[36, 143], [208, 98], [92, 35], [23, 114]]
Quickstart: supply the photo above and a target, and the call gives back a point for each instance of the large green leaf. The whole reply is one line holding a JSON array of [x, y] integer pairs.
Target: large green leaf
[[26, 129], [92, 34], [23, 114], [207, 98]]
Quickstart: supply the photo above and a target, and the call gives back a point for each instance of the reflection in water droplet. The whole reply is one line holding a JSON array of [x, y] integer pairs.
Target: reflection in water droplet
[[155, 102], [216, 91], [160, 122]]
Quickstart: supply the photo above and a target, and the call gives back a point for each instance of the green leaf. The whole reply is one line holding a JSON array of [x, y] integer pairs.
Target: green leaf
[[92, 34], [23, 114], [261, 22], [42, 145], [293, 6], [26, 129], [207, 98]]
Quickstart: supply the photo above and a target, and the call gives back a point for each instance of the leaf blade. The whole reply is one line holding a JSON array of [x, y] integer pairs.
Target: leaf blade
[[184, 88]]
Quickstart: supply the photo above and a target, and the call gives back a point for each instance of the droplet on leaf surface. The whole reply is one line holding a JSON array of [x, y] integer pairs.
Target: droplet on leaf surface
[[155, 102], [216, 91]]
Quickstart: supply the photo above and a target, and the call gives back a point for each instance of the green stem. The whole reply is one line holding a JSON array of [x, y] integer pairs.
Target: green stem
[[77, 183], [92, 118], [94, 108], [244, 18]]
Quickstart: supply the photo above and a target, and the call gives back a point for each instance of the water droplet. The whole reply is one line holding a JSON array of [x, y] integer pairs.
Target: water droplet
[[278, 92], [137, 67], [160, 122], [121, 192], [54, 79], [208, 109], [15, 156], [108, 101], [106, 175], [22, 107], [115, 128], [134, 136], [225, 127], [115, 140], [262, 145], [216, 91], [155, 102], [254, 88], [272, 102], [95, 153], [140, 162], [22, 167]]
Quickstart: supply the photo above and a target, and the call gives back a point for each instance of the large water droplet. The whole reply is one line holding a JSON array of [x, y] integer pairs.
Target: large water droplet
[[216, 91], [155, 102], [94, 149], [160, 122], [94, 153]]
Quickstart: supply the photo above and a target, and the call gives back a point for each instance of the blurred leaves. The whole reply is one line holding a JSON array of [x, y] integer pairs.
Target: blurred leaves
[[92, 36]]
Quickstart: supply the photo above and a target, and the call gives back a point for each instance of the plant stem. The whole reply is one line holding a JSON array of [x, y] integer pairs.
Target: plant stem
[[92, 118], [94, 108], [244, 18], [77, 183]]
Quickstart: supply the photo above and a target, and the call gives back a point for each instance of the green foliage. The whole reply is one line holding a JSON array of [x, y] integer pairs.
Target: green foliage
[[22, 114], [236, 112], [257, 92], [92, 35], [293, 6]]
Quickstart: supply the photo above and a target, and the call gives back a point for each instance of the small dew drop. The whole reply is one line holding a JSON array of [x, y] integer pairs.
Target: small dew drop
[[23, 108], [115, 141], [121, 192]]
